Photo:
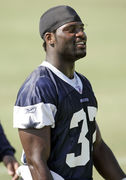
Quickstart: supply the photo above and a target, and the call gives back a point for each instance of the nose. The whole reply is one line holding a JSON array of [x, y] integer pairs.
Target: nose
[[81, 34]]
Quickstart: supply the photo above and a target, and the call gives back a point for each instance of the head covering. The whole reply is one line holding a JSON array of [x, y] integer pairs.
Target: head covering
[[56, 17]]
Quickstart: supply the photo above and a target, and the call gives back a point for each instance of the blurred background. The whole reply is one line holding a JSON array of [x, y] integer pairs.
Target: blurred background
[[105, 64]]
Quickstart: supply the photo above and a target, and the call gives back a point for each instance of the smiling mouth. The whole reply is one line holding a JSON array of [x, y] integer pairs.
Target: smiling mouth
[[81, 44]]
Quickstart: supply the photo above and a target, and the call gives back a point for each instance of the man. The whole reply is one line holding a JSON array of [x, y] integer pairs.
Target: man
[[55, 109], [7, 155]]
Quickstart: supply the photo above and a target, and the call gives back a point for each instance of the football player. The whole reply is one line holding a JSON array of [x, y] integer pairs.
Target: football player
[[56, 108]]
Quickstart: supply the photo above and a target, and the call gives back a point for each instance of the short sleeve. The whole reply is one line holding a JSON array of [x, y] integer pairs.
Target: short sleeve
[[36, 105]]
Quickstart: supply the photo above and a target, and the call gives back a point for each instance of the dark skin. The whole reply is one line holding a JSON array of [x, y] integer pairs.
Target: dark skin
[[105, 161], [11, 164], [63, 48]]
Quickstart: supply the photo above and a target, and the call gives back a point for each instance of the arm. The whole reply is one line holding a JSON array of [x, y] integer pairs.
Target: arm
[[36, 144], [7, 155], [105, 161]]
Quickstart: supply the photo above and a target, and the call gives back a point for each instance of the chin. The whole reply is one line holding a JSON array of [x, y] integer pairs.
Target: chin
[[80, 55]]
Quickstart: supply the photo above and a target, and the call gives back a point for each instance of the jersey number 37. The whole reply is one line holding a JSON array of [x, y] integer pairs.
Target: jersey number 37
[[84, 157]]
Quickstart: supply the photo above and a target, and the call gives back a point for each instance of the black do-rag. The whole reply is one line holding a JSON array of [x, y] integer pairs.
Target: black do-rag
[[56, 17]]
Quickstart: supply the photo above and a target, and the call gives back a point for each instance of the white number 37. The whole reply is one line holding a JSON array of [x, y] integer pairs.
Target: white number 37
[[84, 157]]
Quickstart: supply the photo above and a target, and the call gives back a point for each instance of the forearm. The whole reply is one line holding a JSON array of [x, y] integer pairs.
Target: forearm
[[36, 144], [106, 164], [40, 171]]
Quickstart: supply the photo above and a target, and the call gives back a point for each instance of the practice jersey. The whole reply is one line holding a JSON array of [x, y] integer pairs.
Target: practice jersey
[[48, 98]]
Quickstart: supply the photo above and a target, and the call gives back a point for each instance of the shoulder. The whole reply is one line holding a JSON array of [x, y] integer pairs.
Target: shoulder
[[37, 87]]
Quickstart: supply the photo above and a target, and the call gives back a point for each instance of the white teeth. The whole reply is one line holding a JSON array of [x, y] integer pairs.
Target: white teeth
[[80, 43]]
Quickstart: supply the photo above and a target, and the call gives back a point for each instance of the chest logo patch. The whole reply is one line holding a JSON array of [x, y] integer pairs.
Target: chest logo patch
[[84, 100]]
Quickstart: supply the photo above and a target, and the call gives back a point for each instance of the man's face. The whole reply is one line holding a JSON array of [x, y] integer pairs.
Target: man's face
[[71, 41]]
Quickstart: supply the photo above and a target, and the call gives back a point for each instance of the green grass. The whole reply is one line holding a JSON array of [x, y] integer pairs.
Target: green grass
[[105, 64]]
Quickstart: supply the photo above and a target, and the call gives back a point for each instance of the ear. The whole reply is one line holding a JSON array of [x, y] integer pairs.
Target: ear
[[49, 38]]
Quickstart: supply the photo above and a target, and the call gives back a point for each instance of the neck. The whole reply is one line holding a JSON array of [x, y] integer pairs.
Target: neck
[[66, 66]]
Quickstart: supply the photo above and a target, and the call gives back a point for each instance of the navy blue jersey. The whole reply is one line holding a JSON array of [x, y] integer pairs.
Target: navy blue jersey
[[46, 99]]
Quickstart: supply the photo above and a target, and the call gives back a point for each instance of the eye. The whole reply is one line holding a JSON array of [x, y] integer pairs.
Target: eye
[[72, 29]]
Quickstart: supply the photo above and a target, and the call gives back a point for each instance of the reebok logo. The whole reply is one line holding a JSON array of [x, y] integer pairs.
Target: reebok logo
[[31, 110], [84, 100]]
